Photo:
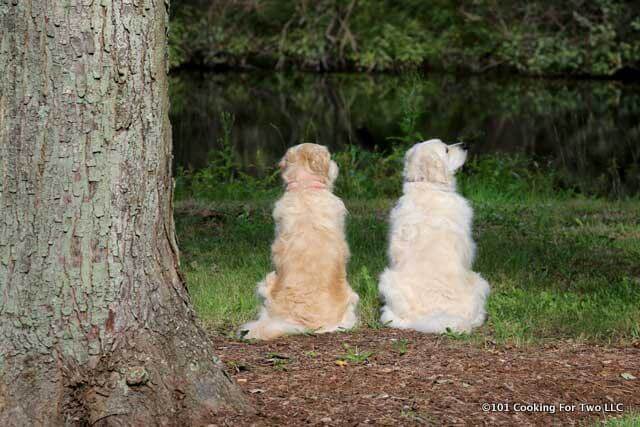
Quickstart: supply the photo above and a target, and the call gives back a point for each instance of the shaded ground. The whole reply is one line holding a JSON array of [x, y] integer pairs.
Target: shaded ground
[[414, 379]]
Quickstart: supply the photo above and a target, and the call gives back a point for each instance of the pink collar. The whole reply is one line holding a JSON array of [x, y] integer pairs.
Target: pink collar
[[303, 180], [306, 185]]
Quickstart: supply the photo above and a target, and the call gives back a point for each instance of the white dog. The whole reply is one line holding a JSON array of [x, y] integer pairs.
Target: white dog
[[308, 289], [429, 285]]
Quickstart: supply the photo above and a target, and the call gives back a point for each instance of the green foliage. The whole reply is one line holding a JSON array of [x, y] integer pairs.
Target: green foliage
[[224, 176], [401, 346], [355, 355], [412, 108], [366, 287], [454, 335], [222, 161], [369, 174], [510, 177], [537, 37], [366, 174], [588, 130]]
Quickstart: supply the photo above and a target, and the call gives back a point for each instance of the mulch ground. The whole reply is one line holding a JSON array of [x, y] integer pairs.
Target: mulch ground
[[315, 380]]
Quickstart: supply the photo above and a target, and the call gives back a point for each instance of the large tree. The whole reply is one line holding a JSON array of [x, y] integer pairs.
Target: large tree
[[95, 320]]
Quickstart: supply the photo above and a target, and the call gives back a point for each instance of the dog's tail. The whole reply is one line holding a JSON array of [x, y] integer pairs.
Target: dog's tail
[[394, 301], [482, 290], [268, 328], [264, 287]]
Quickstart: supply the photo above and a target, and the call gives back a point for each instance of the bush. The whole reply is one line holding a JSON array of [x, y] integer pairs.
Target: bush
[[541, 37]]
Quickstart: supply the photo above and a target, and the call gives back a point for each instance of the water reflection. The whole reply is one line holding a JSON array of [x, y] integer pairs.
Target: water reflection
[[590, 129]]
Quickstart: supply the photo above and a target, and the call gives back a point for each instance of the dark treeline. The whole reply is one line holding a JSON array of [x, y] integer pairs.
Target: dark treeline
[[587, 131], [538, 37]]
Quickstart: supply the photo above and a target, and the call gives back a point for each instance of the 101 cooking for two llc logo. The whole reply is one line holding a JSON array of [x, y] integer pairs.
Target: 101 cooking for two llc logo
[[552, 408]]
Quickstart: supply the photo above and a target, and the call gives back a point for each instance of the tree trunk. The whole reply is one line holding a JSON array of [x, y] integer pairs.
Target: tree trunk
[[96, 326]]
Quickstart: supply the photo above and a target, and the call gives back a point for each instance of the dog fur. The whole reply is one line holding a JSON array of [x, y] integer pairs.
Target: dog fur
[[429, 285], [308, 291]]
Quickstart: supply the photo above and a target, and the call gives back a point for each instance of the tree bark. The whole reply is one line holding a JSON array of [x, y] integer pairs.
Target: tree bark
[[96, 326]]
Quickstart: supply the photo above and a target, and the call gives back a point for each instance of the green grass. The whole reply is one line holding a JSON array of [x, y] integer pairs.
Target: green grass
[[560, 267], [631, 419]]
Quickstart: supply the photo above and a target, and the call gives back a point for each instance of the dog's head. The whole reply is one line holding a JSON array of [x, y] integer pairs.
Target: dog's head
[[433, 161], [308, 161]]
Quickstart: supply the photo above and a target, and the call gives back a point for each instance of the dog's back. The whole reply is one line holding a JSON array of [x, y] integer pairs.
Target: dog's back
[[429, 285], [423, 220], [310, 254]]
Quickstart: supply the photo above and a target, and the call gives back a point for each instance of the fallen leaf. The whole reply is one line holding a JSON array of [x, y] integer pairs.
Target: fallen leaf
[[273, 356], [627, 376], [341, 363]]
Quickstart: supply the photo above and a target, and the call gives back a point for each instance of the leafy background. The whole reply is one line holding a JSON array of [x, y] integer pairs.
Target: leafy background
[[540, 37]]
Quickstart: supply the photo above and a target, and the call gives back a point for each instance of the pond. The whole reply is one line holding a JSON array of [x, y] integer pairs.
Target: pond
[[589, 130]]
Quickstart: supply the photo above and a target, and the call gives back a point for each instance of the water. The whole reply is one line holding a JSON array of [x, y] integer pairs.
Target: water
[[589, 130]]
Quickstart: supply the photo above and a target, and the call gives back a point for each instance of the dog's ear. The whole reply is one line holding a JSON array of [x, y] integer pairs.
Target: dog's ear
[[317, 159], [456, 158], [435, 169], [333, 171], [412, 170], [420, 166]]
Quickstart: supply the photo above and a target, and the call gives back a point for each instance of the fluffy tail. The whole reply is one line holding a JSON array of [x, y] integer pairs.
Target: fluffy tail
[[395, 301], [268, 328], [482, 290], [264, 287]]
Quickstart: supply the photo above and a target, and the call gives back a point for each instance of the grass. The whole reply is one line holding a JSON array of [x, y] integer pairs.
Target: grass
[[560, 266], [630, 419]]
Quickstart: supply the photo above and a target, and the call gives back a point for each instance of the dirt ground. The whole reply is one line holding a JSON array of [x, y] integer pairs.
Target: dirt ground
[[418, 379]]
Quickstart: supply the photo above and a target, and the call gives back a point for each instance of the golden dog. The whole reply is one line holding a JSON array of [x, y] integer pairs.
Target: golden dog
[[308, 291]]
